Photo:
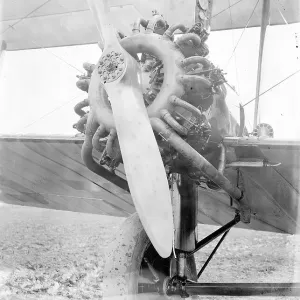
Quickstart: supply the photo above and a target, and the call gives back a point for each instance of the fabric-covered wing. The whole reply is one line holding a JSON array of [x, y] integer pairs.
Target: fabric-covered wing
[[273, 192], [49, 23], [48, 172]]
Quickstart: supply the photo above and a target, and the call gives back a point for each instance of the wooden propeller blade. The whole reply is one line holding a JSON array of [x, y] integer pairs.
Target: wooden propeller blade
[[144, 168]]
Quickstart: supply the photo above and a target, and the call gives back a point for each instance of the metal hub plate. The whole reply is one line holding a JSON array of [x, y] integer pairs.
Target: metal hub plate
[[111, 66]]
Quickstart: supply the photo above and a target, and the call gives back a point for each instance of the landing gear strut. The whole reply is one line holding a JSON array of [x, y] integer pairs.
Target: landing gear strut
[[185, 236], [183, 286], [134, 270]]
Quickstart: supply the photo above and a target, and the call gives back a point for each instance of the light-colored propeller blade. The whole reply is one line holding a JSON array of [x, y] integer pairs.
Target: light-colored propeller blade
[[142, 161]]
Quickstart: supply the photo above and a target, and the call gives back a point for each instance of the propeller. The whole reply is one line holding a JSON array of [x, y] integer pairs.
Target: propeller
[[144, 168]]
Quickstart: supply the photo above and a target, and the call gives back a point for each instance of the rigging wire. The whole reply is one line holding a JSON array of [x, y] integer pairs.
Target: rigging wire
[[61, 59], [26, 16], [286, 78], [48, 51], [278, 3], [220, 12], [48, 113], [236, 71], [281, 14], [252, 13], [39, 46]]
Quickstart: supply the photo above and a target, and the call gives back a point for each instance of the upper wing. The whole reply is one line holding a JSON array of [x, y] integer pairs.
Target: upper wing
[[272, 192], [48, 172], [50, 23]]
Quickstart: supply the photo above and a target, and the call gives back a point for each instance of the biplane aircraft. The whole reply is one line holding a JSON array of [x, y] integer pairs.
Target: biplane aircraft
[[158, 143]]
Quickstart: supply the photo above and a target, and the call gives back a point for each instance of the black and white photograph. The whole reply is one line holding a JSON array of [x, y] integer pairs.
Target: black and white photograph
[[149, 149]]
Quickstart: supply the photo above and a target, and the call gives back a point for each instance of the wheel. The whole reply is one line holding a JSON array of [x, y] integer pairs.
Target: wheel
[[125, 263], [126, 272]]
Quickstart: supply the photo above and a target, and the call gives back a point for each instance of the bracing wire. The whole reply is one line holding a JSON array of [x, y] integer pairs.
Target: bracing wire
[[278, 83], [281, 14], [47, 114], [236, 71], [61, 59], [220, 12], [252, 13], [48, 51], [26, 16]]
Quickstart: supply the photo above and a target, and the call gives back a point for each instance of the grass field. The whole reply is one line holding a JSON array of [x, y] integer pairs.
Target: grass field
[[46, 254]]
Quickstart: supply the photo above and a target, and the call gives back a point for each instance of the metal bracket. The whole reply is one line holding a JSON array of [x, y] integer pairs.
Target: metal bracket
[[244, 208]]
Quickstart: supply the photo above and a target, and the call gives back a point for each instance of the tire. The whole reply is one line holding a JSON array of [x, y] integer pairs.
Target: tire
[[125, 260]]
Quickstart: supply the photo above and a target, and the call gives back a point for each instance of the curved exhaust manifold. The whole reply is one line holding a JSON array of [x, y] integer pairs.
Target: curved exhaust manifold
[[194, 158]]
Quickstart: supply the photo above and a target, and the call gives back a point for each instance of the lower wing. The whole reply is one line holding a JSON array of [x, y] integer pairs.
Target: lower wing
[[48, 172]]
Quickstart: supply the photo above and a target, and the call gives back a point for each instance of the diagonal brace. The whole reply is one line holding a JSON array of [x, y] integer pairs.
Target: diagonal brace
[[216, 234]]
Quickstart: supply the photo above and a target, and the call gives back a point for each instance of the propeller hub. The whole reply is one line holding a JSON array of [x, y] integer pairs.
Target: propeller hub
[[111, 66]]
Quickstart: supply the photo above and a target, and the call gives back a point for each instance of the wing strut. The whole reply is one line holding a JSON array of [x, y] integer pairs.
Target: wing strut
[[264, 24]]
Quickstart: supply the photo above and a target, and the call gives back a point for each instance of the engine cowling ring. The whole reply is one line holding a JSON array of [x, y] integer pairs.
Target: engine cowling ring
[[181, 90], [153, 44]]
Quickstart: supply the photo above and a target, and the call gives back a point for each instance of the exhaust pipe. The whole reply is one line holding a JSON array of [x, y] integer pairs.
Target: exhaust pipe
[[195, 158]]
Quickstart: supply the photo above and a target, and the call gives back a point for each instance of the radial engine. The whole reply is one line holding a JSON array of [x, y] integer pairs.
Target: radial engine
[[183, 91]]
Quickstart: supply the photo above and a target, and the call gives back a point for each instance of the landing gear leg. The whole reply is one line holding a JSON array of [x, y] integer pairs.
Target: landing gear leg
[[184, 200], [133, 268]]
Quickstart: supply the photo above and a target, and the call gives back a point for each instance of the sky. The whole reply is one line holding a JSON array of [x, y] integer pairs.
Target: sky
[[38, 91]]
